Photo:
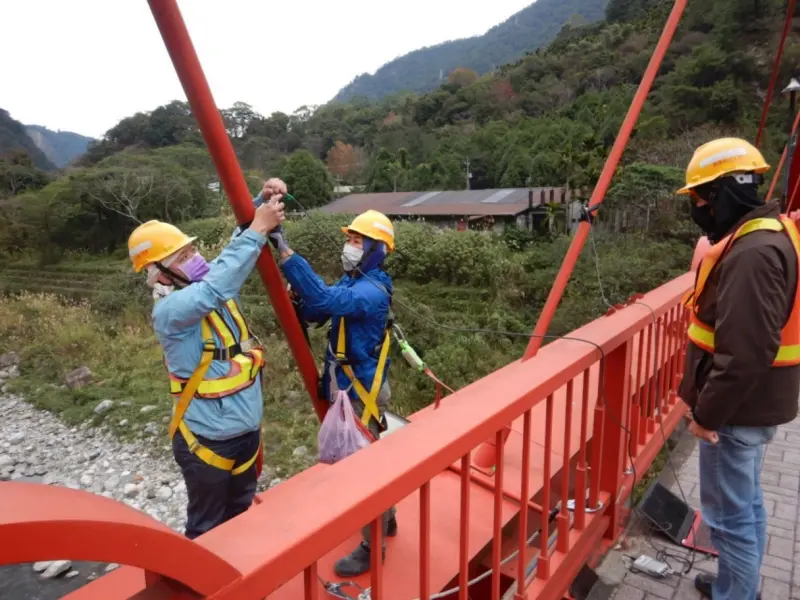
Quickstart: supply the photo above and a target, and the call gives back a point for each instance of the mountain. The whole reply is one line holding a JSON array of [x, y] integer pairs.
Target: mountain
[[61, 147], [14, 138], [531, 28]]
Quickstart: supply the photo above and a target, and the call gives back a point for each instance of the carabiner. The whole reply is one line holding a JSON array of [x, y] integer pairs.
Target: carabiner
[[398, 333], [335, 590]]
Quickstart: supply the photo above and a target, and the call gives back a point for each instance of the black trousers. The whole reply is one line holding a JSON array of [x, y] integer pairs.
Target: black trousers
[[215, 495]]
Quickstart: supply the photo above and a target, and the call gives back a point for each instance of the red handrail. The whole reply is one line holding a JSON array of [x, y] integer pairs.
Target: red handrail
[[574, 251], [283, 543], [181, 50]]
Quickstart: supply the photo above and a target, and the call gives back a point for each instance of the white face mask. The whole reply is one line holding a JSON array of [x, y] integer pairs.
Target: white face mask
[[351, 256], [160, 290]]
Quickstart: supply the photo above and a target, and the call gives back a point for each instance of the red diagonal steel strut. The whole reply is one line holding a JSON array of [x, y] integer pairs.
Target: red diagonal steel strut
[[776, 67], [181, 50], [574, 251]]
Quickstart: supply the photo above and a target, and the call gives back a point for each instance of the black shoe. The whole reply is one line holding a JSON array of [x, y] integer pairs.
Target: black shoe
[[703, 583], [357, 563], [391, 528]]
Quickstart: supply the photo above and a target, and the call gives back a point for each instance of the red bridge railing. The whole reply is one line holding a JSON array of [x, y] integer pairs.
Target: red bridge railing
[[588, 414]]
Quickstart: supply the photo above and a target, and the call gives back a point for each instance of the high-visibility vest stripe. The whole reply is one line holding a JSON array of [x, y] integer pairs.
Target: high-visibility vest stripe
[[702, 334]]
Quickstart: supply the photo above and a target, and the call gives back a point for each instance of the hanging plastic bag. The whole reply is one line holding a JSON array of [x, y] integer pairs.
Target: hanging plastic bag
[[339, 436]]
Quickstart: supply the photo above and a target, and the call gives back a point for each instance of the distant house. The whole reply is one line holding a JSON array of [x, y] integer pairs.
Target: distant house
[[341, 190], [474, 209]]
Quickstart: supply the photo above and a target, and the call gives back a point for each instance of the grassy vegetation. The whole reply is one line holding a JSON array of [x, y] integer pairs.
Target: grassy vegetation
[[93, 311]]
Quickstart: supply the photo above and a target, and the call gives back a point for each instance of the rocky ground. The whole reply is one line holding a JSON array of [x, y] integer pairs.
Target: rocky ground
[[36, 446]]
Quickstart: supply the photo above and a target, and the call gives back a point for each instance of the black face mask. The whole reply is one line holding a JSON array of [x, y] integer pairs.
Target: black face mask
[[703, 217], [728, 202]]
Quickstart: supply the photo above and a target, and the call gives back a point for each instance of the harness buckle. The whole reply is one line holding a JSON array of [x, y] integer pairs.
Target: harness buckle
[[194, 446]]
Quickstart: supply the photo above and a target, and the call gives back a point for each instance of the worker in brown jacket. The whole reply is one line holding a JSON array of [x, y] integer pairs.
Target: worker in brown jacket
[[741, 378]]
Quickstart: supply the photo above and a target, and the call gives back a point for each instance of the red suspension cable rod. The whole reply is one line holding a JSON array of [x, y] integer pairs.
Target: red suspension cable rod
[[780, 166], [560, 284], [187, 65], [776, 67]]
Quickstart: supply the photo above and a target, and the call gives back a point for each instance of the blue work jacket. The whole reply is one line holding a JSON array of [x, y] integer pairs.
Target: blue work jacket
[[364, 306]]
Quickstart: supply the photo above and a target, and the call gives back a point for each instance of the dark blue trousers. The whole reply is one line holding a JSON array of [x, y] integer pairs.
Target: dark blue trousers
[[215, 495]]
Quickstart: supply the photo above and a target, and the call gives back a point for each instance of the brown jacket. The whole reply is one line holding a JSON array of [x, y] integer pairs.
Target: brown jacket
[[747, 300]]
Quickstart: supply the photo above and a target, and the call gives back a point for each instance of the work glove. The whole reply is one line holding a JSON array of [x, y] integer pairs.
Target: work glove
[[277, 239]]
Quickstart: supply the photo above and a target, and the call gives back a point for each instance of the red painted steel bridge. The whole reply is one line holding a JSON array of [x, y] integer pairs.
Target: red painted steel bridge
[[504, 491]]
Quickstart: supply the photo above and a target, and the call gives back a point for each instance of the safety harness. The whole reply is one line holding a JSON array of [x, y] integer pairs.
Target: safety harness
[[245, 358], [368, 398]]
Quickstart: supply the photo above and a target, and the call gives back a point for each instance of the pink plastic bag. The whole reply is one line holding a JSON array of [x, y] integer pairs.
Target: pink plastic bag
[[339, 435]]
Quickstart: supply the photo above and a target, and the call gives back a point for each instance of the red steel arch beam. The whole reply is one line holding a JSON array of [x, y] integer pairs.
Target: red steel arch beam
[[187, 65], [44, 522], [574, 251]]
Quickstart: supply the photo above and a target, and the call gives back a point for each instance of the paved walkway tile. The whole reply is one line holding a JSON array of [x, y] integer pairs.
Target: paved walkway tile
[[780, 573]]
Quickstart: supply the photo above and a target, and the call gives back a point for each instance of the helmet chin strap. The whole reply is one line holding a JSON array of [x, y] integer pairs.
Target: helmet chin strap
[[163, 267], [178, 280]]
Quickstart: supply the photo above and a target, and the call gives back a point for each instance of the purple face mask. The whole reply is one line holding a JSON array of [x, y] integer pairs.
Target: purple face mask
[[195, 268]]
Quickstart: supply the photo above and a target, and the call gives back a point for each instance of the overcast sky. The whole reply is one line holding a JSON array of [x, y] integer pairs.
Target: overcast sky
[[82, 65]]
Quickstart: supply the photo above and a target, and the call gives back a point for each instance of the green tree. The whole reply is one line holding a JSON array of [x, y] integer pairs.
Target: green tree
[[462, 77], [307, 178], [19, 175]]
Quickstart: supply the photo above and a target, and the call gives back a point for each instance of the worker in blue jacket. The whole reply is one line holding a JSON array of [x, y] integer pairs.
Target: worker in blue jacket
[[356, 359], [213, 360]]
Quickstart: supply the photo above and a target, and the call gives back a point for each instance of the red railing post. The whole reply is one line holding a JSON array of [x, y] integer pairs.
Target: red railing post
[[181, 50], [616, 392]]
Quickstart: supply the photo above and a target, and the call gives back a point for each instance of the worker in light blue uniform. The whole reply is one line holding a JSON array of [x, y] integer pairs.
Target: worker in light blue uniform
[[212, 358], [356, 359]]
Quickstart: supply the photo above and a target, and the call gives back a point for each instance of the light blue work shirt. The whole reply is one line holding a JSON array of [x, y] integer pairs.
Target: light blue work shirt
[[176, 321]]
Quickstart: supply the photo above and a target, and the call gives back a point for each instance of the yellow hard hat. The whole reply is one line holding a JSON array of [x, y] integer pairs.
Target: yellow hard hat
[[375, 225], [722, 157], [154, 241]]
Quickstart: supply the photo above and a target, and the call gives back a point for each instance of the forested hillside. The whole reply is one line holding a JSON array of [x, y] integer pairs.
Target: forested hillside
[[60, 147], [418, 71], [14, 140], [548, 119]]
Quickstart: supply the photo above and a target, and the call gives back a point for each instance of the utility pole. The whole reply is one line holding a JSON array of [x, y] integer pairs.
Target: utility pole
[[469, 175]]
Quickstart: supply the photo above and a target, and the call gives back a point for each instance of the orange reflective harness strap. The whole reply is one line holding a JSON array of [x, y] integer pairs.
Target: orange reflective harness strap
[[189, 390]]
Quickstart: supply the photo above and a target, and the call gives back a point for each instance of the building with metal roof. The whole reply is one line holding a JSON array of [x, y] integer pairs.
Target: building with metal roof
[[496, 207]]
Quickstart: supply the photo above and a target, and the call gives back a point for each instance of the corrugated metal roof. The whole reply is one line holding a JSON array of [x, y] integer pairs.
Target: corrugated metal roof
[[505, 202]]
